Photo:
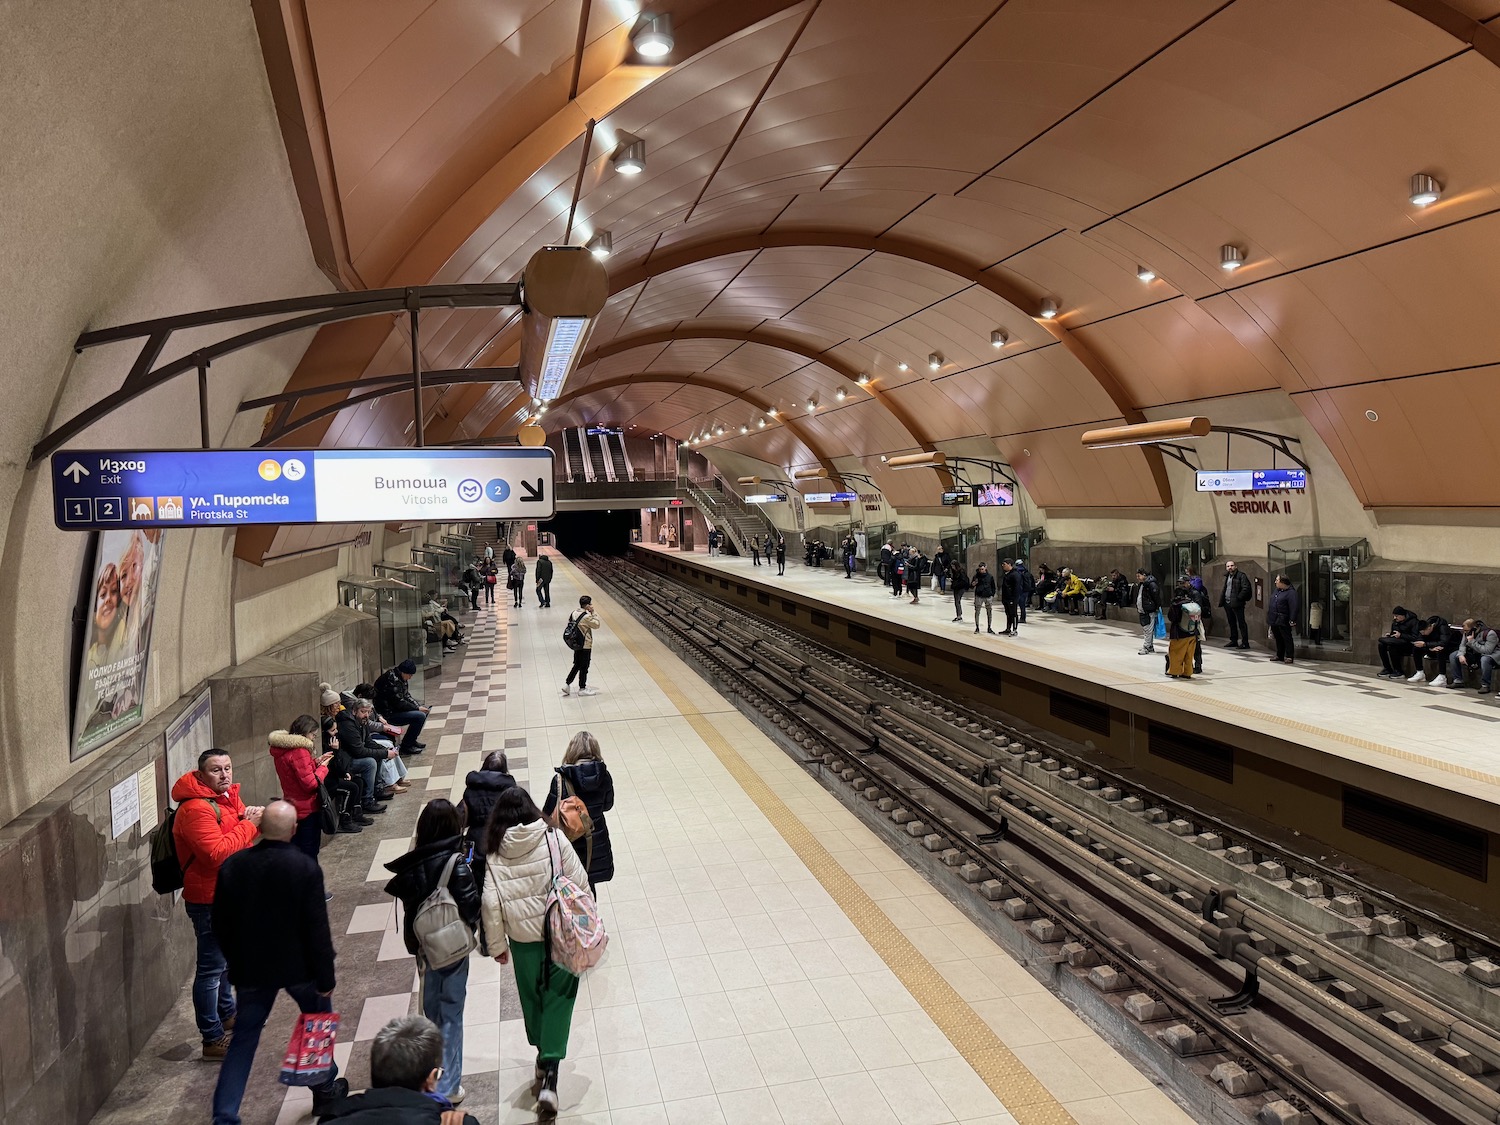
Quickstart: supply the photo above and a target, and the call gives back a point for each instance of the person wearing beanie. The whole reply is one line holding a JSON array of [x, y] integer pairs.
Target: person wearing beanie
[[1396, 646], [393, 700]]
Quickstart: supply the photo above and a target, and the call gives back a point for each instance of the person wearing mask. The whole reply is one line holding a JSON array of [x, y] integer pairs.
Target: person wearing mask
[[584, 775], [780, 555], [301, 766], [438, 858], [1476, 649], [348, 790], [211, 824], [1281, 615], [583, 656], [374, 753], [1027, 587], [1433, 643], [960, 581], [1146, 600], [406, 1064], [1233, 599], [270, 917], [393, 700], [544, 581], [522, 853], [1395, 646], [517, 583], [916, 564], [940, 564], [1010, 595], [983, 584], [482, 788]]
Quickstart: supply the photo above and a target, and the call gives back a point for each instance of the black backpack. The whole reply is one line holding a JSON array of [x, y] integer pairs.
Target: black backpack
[[166, 872], [572, 634]]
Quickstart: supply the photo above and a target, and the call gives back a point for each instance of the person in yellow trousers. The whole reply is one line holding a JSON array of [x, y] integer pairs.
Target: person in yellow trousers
[[520, 862]]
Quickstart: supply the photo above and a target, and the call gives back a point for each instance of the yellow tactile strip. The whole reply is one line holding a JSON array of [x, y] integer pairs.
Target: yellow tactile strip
[[1023, 1096]]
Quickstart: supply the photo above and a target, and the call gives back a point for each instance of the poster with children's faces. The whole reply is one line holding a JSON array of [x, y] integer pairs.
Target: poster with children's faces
[[117, 641]]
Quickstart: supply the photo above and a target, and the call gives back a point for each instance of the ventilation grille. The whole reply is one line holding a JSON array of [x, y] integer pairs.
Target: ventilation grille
[[788, 607], [819, 619], [723, 583], [762, 597], [977, 675], [1191, 751], [859, 633], [696, 574], [741, 590], [1448, 843], [1079, 711], [912, 654]]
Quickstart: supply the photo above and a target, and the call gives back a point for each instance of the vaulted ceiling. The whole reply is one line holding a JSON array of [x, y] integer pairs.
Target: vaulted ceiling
[[837, 187]]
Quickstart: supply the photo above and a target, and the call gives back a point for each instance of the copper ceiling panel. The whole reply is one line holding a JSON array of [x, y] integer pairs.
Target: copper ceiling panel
[[853, 428], [777, 446], [705, 400], [862, 212], [352, 35], [1059, 473], [1342, 184], [755, 363], [1035, 390], [1090, 280], [849, 71], [935, 413], [612, 319], [1426, 304], [722, 219], [1459, 404], [780, 279], [1238, 81], [976, 231], [683, 293], [1177, 352], [689, 355], [876, 293], [906, 488], [1030, 66], [613, 367], [959, 329]]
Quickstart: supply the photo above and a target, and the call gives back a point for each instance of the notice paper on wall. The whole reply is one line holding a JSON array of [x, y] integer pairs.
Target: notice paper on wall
[[124, 806], [146, 785]]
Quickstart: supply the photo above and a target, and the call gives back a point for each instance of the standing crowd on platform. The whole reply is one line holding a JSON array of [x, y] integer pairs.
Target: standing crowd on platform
[[496, 873]]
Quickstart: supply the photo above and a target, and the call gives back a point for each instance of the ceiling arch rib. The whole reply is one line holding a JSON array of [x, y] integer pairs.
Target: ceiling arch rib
[[695, 379], [781, 341]]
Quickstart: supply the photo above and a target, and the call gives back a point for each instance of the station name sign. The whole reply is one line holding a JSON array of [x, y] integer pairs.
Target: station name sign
[[103, 490], [1251, 480]]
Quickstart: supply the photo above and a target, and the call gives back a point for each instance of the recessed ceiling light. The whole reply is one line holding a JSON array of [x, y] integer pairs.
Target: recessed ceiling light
[[1145, 273], [1049, 308], [1372, 416], [771, 412], [744, 429], [934, 362], [1425, 190], [761, 424], [902, 367], [1231, 257], [863, 379], [652, 36], [630, 158], [999, 338], [811, 406], [601, 245], [841, 394], [719, 431]]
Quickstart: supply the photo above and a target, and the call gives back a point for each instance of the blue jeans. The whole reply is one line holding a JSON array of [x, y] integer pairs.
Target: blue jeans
[[443, 993], [255, 1008], [413, 721], [363, 771], [212, 1001]]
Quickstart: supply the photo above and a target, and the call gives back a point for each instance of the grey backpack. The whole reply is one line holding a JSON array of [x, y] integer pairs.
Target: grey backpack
[[443, 937]]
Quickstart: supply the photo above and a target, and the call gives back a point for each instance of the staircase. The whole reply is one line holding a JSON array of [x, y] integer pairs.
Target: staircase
[[573, 454], [726, 511]]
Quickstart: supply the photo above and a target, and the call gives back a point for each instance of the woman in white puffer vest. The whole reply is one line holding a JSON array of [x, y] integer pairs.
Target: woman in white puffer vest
[[520, 861]]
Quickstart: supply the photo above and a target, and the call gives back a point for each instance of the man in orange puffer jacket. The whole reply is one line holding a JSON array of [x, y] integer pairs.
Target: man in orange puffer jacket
[[212, 823]]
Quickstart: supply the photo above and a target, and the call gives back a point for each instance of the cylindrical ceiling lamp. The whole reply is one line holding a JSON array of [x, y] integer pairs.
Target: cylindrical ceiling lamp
[[934, 460], [1231, 257], [1148, 433], [819, 473]]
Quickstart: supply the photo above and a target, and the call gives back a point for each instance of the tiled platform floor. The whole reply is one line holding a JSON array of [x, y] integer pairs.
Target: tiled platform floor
[[737, 989], [1445, 738]]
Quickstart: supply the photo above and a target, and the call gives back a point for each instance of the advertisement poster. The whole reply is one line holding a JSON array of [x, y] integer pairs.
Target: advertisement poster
[[117, 644]]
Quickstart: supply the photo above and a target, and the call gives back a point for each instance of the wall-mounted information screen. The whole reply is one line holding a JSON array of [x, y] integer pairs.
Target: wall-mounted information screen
[[961, 496], [1251, 480], [994, 495]]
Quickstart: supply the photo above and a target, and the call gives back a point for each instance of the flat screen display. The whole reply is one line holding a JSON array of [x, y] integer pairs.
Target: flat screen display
[[961, 496], [994, 495]]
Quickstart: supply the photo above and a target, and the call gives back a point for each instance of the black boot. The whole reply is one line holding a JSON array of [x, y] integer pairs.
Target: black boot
[[546, 1100], [348, 826]]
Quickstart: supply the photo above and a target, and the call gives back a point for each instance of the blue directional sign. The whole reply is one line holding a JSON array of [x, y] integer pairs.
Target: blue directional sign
[[830, 497], [1250, 480], [96, 490]]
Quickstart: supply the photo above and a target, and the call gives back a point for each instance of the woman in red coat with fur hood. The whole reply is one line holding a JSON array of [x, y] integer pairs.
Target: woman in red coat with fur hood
[[300, 768]]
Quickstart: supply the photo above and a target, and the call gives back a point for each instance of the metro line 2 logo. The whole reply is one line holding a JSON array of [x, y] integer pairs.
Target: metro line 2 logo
[[470, 490]]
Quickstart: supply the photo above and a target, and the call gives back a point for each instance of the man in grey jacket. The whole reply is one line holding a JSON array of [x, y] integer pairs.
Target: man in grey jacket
[[1478, 647]]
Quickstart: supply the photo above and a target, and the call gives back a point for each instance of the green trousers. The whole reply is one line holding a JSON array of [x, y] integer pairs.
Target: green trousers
[[546, 1007]]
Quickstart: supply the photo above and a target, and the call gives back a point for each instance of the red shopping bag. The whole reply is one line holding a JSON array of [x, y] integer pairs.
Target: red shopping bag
[[309, 1054]]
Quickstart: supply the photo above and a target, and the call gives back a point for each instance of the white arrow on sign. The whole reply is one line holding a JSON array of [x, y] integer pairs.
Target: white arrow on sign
[[76, 471]]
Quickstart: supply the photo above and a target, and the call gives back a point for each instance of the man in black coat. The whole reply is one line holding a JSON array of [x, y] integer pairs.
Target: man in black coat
[[983, 584], [1236, 596], [1396, 645], [1010, 595], [544, 581], [393, 700], [271, 920]]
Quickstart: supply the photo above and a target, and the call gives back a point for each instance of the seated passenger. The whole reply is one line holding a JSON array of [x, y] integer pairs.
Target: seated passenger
[[1072, 591], [348, 791], [1046, 583], [406, 1061], [365, 737], [394, 702], [1475, 648], [1432, 643], [1395, 646], [438, 624]]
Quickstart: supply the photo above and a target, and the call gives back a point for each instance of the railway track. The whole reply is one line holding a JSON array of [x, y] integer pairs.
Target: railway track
[[1288, 991]]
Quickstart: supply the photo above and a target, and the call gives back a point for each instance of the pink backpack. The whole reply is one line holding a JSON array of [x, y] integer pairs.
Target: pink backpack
[[575, 932]]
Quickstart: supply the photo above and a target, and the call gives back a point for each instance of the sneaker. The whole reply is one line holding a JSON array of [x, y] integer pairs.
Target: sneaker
[[1146, 652], [1417, 677], [1442, 681], [566, 690], [217, 1048], [350, 827], [1484, 689], [458, 1097], [1458, 685], [546, 1099], [958, 619], [327, 896], [374, 807], [538, 1078], [588, 691]]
